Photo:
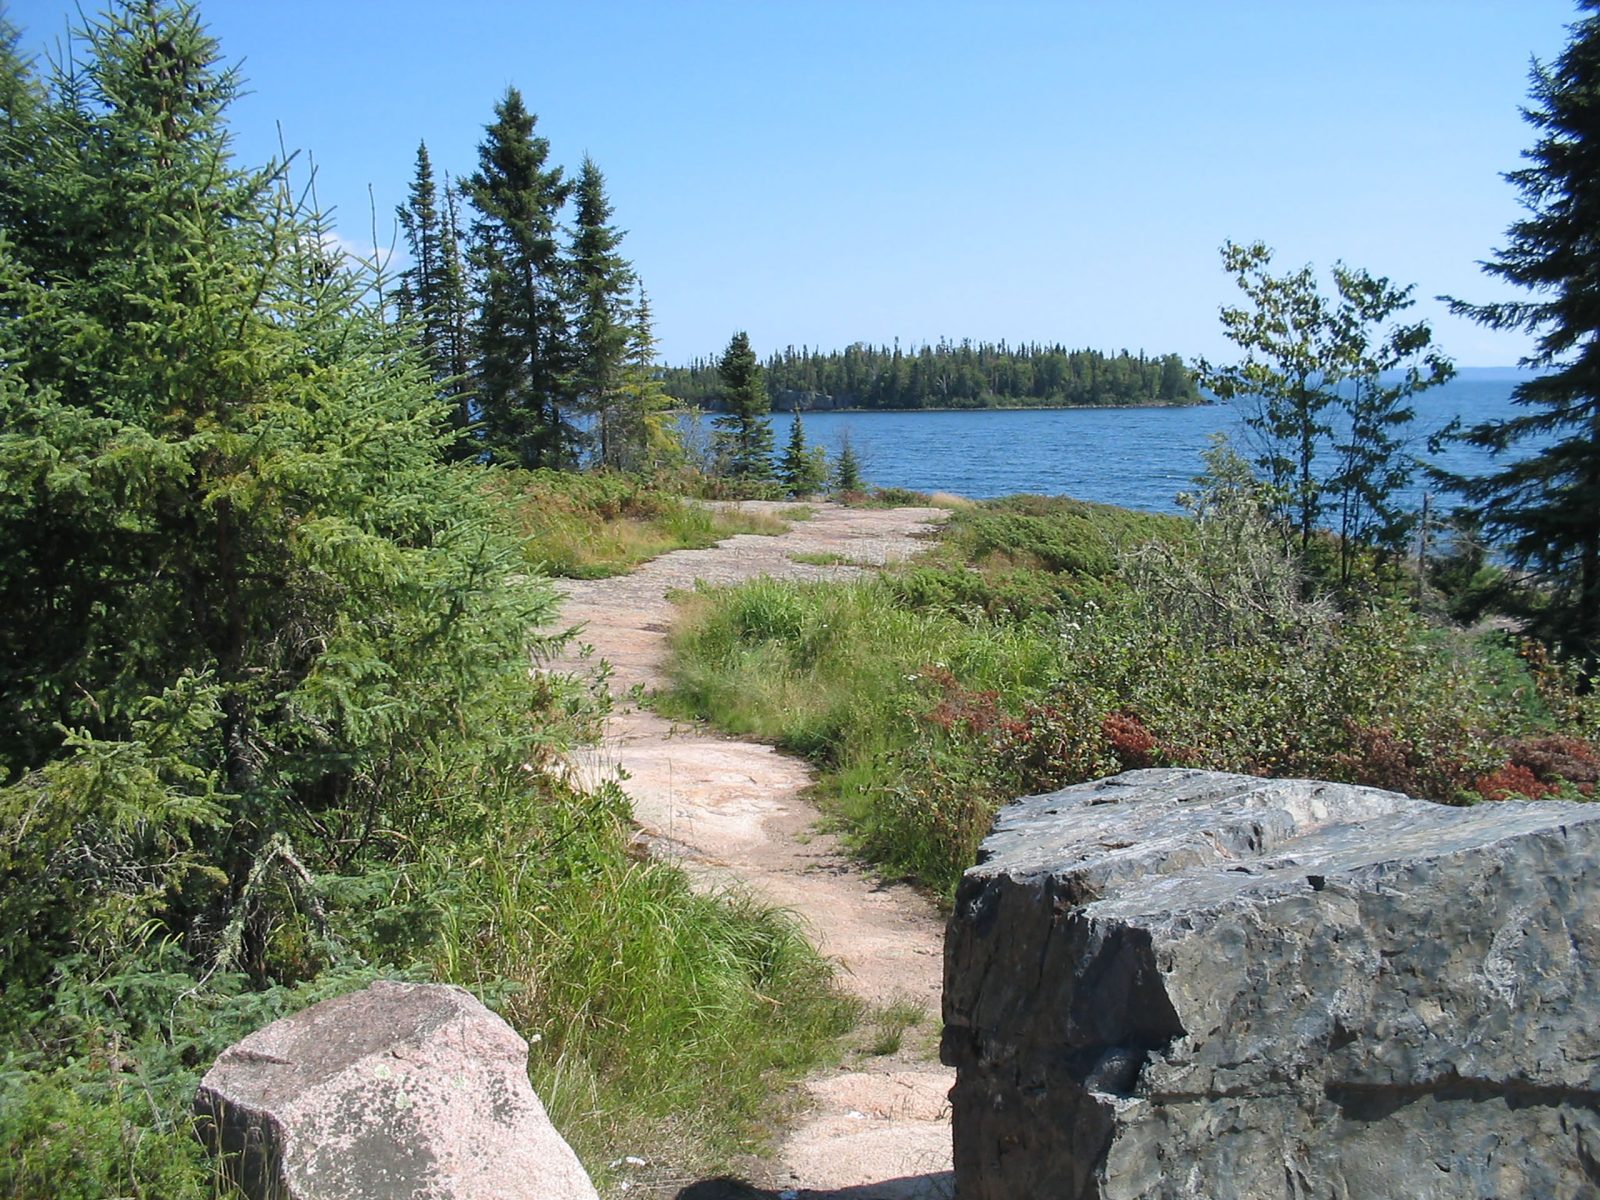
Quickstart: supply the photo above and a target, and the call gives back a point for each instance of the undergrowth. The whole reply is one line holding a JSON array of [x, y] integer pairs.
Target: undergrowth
[[1050, 642]]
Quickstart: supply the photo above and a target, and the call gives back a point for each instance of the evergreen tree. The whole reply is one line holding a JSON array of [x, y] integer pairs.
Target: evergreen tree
[[846, 467], [804, 469], [455, 321], [646, 436], [225, 533], [1545, 507], [523, 358], [968, 375], [419, 223], [743, 430], [601, 282], [433, 293]]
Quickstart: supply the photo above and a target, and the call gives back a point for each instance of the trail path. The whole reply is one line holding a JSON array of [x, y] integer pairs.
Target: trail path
[[732, 811]]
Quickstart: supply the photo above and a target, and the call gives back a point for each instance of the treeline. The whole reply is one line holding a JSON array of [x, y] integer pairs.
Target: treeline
[[963, 374], [534, 328]]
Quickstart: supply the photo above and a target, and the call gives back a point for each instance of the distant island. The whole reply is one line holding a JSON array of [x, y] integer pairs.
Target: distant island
[[948, 375]]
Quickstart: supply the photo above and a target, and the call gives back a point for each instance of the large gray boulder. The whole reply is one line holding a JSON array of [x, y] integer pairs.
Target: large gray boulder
[[1184, 984], [398, 1090]]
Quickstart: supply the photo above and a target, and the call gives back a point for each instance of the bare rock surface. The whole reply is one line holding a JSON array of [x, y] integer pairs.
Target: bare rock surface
[[1183, 984], [413, 1090], [734, 813]]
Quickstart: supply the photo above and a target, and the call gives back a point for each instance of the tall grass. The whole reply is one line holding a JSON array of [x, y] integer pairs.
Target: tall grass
[[933, 695], [661, 1021], [589, 526], [659, 1018]]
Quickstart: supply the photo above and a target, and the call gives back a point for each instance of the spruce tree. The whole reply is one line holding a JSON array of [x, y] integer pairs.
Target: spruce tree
[[743, 430], [523, 357], [433, 293], [602, 281], [846, 467], [1544, 508], [226, 535], [419, 224], [804, 468], [647, 436], [455, 322]]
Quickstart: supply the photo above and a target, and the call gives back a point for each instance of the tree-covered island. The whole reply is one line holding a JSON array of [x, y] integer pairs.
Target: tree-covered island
[[946, 374]]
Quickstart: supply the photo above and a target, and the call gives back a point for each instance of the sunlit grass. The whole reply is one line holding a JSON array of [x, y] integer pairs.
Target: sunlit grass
[[598, 525], [1040, 646], [661, 1020]]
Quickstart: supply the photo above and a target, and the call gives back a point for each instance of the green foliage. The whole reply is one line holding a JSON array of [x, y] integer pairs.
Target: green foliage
[[1468, 583], [433, 294], [803, 470], [267, 723], [602, 328], [227, 520], [647, 1005], [847, 468], [98, 841], [598, 523], [1052, 534], [1544, 508], [934, 694], [1314, 383], [650, 439], [69, 1142], [743, 429], [523, 353], [962, 374]]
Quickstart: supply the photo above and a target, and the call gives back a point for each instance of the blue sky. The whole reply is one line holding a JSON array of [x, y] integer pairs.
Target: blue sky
[[826, 172]]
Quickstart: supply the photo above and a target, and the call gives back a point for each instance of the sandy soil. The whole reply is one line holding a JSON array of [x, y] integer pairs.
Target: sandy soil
[[734, 812]]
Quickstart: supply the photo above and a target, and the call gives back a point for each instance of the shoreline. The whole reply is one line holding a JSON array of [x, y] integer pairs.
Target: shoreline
[[981, 408]]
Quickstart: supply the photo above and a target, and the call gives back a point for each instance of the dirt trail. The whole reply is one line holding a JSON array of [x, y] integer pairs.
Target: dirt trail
[[731, 811]]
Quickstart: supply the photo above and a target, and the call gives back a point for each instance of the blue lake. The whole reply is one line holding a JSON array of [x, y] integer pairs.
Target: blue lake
[[1134, 457]]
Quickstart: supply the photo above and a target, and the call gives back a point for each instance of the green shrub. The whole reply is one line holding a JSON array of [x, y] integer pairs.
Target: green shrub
[[935, 694], [268, 728]]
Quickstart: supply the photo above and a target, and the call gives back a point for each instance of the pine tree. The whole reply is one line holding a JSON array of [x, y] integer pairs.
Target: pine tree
[[846, 467], [433, 293], [1544, 508], [743, 430], [523, 357], [647, 436], [601, 282], [804, 469]]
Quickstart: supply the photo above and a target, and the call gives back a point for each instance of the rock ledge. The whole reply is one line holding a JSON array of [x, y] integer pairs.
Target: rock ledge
[[1179, 983]]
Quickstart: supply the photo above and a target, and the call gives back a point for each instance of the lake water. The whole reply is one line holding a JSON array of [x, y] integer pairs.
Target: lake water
[[1133, 457]]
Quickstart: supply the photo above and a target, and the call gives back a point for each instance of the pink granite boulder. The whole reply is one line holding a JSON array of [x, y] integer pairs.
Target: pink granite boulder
[[413, 1090]]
